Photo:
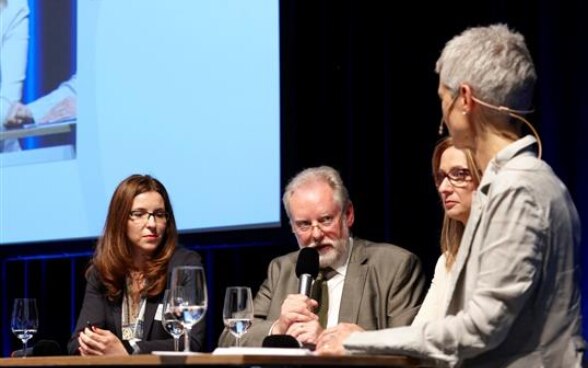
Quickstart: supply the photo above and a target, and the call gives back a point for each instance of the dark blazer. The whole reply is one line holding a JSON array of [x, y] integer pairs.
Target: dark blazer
[[105, 314], [384, 287]]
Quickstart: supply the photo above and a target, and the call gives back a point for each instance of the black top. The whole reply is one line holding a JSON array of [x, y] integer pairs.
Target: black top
[[105, 314]]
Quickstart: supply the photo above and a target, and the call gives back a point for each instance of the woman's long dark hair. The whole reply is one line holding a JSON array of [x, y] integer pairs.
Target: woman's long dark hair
[[113, 256]]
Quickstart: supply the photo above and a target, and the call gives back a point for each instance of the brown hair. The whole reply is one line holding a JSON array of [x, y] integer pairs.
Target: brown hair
[[452, 230], [112, 258]]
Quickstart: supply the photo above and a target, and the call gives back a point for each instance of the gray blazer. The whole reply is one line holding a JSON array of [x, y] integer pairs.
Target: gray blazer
[[513, 293], [383, 287]]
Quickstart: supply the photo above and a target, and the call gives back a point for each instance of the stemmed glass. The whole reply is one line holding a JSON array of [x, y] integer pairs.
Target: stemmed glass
[[189, 297], [238, 310], [25, 320], [170, 321]]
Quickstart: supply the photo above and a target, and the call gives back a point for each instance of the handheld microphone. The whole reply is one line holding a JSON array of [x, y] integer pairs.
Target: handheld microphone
[[307, 269]]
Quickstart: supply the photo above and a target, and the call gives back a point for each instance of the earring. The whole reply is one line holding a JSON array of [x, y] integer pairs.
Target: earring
[[440, 131], [464, 112]]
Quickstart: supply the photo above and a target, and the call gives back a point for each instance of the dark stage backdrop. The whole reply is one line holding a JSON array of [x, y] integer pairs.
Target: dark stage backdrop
[[359, 93]]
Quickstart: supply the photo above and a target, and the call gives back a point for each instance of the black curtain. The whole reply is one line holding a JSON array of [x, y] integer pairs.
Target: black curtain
[[359, 93]]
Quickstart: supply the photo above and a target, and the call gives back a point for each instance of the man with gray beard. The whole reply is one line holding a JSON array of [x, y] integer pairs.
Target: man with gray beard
[[373, 285]]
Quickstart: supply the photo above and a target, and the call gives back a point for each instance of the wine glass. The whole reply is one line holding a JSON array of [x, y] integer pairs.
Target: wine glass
[[170, 321], [238, 310], [25, 320], [189, 297]]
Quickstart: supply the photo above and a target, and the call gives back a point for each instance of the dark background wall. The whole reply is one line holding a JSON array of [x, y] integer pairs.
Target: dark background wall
[[359, 94]]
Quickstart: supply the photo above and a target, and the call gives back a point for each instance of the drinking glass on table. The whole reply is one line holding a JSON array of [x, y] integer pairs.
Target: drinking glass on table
[[171, 324], [25, 320], [238, 311], [189, 297]]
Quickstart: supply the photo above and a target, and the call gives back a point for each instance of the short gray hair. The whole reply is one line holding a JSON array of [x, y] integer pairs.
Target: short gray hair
[[494, 61], [324, 174]]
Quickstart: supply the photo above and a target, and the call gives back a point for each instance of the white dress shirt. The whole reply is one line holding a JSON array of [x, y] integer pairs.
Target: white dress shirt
[[335, 284]]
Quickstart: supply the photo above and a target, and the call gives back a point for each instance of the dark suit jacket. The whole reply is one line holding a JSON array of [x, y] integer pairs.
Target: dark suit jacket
[[104, 314], [384, 287]]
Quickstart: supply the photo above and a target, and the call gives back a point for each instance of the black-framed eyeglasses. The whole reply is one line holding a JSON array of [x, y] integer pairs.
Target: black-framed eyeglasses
[[458, 177], [324, 223], [142, 216]]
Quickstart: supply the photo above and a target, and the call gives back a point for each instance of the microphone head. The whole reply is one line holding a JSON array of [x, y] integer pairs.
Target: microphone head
[[280, 341], [308, 262], [46, 348]]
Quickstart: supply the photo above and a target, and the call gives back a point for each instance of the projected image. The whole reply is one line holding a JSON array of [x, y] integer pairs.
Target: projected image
[[38, 108], [186, 91]]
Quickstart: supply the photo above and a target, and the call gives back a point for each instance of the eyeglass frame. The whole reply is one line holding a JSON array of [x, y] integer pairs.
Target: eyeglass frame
[[320, 223], [142, 216], [458, 177]]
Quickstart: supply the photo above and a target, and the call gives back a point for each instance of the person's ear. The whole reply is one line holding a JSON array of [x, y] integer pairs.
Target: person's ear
[[349, 214], [466, 99]]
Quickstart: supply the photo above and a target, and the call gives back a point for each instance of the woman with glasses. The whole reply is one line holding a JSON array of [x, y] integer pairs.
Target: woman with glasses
[[128, 275], [456, 177]]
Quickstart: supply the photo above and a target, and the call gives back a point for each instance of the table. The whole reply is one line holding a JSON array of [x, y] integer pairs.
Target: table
[[64, 151], [219, 360]]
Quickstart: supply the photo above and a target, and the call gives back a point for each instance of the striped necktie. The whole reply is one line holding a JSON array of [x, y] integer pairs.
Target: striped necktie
[[320, 293]]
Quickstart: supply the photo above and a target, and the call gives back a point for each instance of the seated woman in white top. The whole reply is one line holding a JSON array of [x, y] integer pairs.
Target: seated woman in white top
[[456, 177]]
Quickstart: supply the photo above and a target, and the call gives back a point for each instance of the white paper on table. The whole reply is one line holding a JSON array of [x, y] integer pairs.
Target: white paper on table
[[175, 353], [261, 351]]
